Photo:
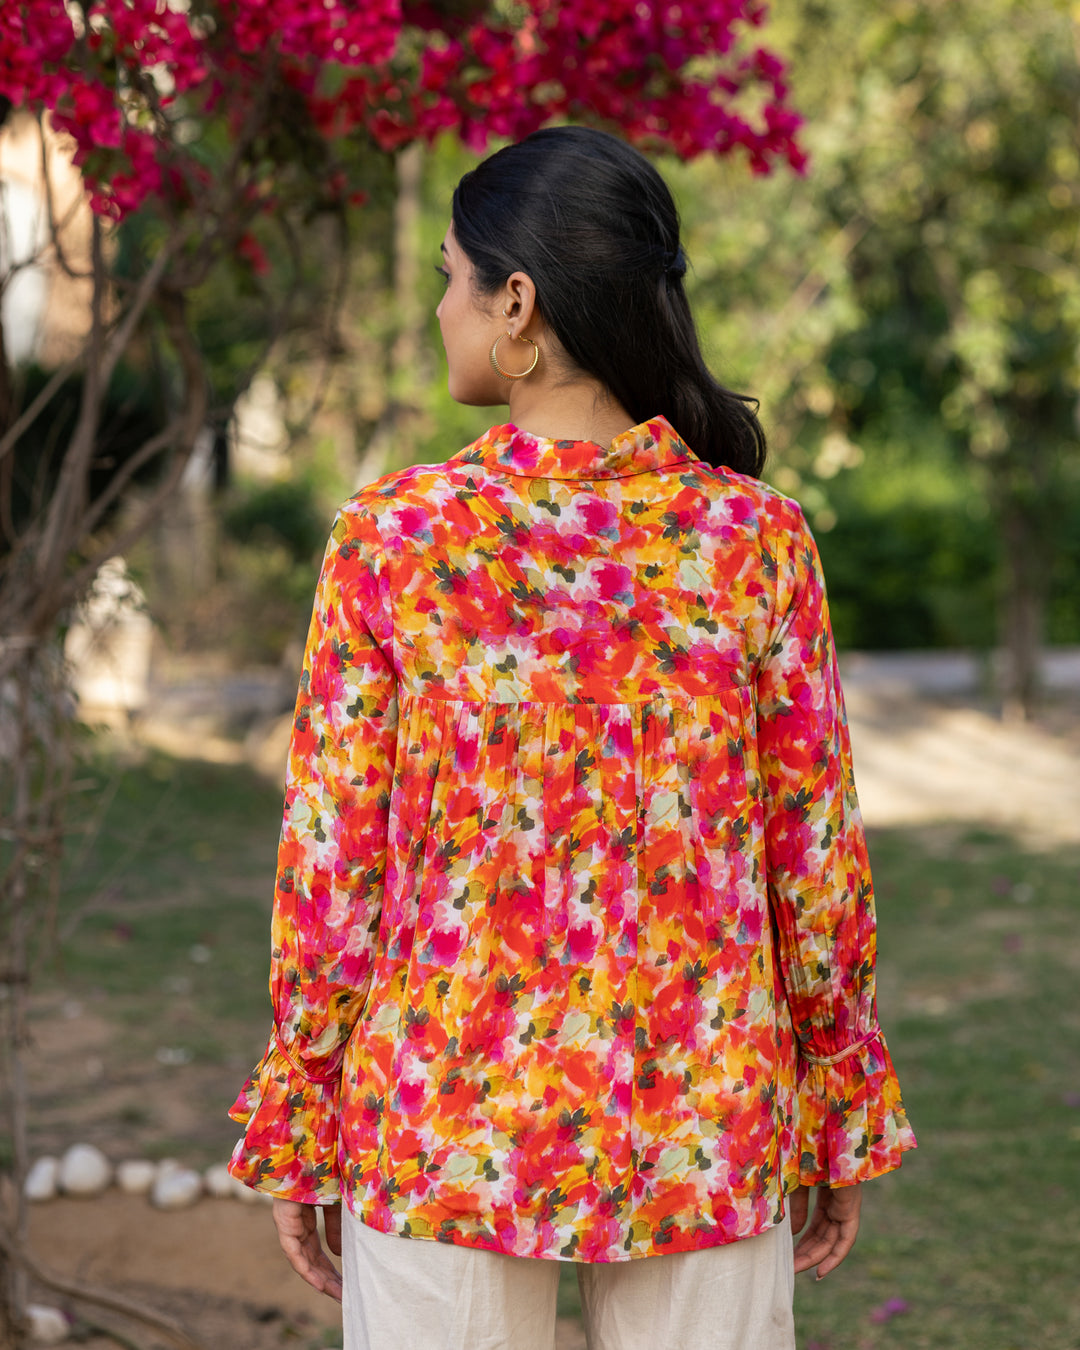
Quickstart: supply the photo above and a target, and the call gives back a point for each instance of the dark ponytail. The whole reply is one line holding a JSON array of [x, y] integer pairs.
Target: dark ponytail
[[593, 224]]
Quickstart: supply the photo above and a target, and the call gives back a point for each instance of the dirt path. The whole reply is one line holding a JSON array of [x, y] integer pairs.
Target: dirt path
[[921, 762], [216, 1268]]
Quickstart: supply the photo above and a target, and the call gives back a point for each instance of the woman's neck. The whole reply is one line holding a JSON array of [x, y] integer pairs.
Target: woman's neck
[[571, 410]]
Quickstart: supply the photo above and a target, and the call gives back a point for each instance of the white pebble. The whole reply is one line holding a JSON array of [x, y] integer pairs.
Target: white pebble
[[217, 1181], [41, 1179], [48, 1326], [84, 1170], [173, 1055], [135, 1176], [176, 1188]]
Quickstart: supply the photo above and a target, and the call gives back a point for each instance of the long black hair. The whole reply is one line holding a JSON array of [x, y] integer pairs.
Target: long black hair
[[590, 220]]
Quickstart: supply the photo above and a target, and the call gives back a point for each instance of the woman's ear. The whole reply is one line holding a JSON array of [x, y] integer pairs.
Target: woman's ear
[[519, 306]]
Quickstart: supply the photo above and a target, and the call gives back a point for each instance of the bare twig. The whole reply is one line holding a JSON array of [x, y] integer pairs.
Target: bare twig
[[840, 246], [126, 471], [149, 287], [12, 265], [110, 1333], [68, 500], [57, 228], [187, 429], [69, 495], [38, 406], [33, 720], [146, 516], [338, 297], [225, 217]]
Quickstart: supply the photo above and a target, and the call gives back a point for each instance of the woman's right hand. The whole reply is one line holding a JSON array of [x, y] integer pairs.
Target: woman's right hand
[[298, 1233], [833, 1227]]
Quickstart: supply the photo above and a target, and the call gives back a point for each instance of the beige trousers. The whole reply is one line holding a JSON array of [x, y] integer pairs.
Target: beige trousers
[[416, 1294]]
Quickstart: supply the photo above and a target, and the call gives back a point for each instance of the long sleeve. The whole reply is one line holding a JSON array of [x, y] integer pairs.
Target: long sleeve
[[851, 1120], [330, 873]]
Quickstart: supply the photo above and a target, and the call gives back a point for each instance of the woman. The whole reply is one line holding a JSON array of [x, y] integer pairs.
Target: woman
[[573, 941]]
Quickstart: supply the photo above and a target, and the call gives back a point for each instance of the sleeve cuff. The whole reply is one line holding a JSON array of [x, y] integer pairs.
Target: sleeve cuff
[[852, 1124], [289, 1147]]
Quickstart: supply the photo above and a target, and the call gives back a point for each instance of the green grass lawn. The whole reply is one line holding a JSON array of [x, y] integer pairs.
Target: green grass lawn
[[978, 1234], [171, 866], [975, 1243], [164, 923]]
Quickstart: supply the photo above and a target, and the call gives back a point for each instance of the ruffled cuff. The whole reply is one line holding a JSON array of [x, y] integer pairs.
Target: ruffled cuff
[[852, 1123], [289, 1147]]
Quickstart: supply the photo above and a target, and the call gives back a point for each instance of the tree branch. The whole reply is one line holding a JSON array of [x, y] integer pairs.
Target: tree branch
[[27, 418], [61, 525], [127, 471], [57, 228], [184, 434], [816, 280]]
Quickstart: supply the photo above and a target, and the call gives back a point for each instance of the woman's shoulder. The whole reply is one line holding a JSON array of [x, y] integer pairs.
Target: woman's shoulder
[[755, 503], [415, 482], [396, 485]]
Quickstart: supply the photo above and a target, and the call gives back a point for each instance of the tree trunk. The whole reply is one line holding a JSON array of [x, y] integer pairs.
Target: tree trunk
[[406, 370], [407, 307], [1023, 617], [1025, 507], [29, 805]]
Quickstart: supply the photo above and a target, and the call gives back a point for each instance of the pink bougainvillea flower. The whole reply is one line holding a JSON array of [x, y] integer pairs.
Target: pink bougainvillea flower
[[138, 78]]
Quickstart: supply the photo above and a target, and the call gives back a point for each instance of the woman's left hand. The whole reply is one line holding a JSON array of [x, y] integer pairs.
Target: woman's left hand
[[298, 1232], [833, 1227]]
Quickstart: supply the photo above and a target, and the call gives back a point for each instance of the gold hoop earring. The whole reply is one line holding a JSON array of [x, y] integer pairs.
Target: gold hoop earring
[[506, 374]]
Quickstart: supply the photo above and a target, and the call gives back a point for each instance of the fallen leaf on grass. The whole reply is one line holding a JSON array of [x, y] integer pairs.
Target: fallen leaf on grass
[[892, 1308]]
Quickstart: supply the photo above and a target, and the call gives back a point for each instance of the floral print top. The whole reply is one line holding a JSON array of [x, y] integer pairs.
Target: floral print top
[[573, 938]]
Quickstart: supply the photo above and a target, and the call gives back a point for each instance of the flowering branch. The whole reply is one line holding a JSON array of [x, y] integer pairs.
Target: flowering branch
[[132, 79]]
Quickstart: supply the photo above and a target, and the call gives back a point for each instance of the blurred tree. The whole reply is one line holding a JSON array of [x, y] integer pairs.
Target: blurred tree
[[962, 155], [918, 293]]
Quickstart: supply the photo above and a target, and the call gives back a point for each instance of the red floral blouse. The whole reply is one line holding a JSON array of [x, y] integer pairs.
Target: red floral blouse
[[573, 937]]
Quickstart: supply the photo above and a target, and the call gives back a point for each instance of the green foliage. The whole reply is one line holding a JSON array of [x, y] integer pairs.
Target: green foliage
[[913, 305], [286, 513], [273, 537], [261, 604], [1063, 609], [911, 576]]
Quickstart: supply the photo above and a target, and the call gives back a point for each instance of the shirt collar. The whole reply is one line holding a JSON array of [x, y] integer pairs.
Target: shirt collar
[[654, 444]]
